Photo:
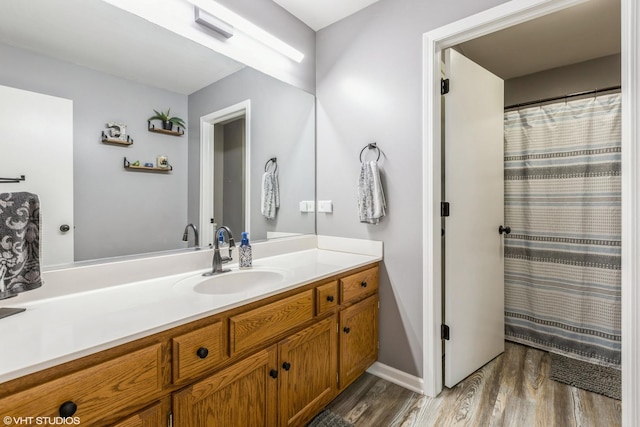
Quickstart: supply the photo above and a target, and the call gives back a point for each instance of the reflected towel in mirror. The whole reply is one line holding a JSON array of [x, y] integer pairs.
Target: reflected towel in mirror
[[19, 242], [371, 201], [270, 196]]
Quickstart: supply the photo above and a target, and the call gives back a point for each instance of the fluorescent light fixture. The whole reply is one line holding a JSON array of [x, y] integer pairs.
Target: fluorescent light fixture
[[243, 27], [213, 23]]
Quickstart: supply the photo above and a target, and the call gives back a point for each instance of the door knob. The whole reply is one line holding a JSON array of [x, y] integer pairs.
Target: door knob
[[64, 228], [505, 230]]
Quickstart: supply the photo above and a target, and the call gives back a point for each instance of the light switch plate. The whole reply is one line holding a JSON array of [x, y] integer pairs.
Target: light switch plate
[[307, 206], [325, 206]]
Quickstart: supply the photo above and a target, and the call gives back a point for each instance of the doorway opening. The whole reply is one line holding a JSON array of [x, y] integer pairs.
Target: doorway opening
[[559, 253], [504, 16], [225, 142]]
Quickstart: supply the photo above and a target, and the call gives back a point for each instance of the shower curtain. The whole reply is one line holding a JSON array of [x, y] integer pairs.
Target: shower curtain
[[562, 202]]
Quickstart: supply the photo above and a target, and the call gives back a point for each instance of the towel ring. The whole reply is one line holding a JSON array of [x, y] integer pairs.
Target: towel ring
[[371, 146], [273, 160]]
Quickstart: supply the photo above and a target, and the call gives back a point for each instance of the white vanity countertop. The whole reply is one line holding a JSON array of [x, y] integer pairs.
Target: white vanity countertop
[[56, 330]]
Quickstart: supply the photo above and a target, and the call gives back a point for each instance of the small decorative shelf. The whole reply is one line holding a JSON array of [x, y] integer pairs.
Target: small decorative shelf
[[116, 141], [152, 128], [128, 165]]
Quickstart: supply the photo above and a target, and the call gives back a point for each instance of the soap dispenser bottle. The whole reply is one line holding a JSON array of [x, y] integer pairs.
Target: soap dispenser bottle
[[221, 243], [245, 251]]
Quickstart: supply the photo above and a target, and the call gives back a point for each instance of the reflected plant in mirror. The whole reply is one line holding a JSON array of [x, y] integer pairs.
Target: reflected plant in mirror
[[112, 211]]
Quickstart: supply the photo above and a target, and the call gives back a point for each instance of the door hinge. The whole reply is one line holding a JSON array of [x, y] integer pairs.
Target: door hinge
[[444, 86], [444, 332], [444, 209], [337, 378], [170, 419]]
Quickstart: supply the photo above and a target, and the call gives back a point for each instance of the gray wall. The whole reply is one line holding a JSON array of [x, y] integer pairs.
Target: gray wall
[[282, 126], [271, 17], [117, 212], [369, 88], [594, 74]]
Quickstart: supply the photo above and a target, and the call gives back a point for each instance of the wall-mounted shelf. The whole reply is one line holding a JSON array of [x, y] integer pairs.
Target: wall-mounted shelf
[[152, 128], [130, 166], [107, 140]]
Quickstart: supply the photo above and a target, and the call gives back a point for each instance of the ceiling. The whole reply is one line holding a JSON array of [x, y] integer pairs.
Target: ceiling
[[96, 35], [318, 14], [583, 32], [580, 33]]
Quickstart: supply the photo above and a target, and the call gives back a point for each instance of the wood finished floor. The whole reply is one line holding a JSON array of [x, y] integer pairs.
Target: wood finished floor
[[512, 390]]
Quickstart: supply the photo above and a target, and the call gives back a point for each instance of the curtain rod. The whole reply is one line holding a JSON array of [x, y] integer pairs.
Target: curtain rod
[[571, 95]]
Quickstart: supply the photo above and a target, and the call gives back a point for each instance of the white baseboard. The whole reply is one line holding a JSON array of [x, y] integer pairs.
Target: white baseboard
[[398, 377]]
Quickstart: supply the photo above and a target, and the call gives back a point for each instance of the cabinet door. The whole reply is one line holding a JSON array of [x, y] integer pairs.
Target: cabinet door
[[358, 339], [154, 416], [242, 395], [308, 362]]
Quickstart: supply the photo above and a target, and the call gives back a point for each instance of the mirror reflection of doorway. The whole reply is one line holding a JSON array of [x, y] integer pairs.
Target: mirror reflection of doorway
[[225, 165], [229, 160]]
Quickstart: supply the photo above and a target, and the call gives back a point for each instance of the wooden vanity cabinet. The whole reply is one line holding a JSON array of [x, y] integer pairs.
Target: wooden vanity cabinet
[[94, 395], [273, 362], [358, 339], [244, 394], [308, 372], [358, 326], [283, 385]]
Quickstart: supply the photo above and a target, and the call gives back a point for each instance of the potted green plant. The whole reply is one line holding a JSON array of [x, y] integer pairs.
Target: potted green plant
[[167, 120]]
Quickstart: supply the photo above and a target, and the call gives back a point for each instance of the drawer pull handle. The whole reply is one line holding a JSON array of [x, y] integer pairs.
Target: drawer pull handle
[[286, 366], [202, 352], [67, 409], [273, 373], [346, 329], [363, 284], [330, 298]]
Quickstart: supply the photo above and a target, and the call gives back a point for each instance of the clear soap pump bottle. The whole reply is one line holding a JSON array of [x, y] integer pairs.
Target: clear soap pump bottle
[[245, 251], [221, 243]]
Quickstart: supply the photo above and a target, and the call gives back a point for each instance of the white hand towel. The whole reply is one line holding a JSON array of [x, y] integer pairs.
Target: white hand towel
[[270, 195], [371, 201]]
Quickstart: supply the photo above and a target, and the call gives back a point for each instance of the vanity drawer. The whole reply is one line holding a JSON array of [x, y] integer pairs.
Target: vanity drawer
[[198, 351], [260, 324], [326, 297], [117, 386], [359, 284]]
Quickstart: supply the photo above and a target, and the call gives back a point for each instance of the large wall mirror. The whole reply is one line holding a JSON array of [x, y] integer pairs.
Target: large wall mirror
[[108, 66]]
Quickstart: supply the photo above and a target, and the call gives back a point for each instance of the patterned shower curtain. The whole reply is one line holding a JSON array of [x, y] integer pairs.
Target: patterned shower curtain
[[562, 201]]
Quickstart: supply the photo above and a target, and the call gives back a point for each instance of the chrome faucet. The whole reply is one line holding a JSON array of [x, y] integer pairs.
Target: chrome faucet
[[216, 265], [185, 236]]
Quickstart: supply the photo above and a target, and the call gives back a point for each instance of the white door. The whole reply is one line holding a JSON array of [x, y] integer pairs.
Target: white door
[[36, 140], [473, 254]]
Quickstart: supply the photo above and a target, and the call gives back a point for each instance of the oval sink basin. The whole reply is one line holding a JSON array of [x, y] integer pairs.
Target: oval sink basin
[[237, 281], [232, 282]]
